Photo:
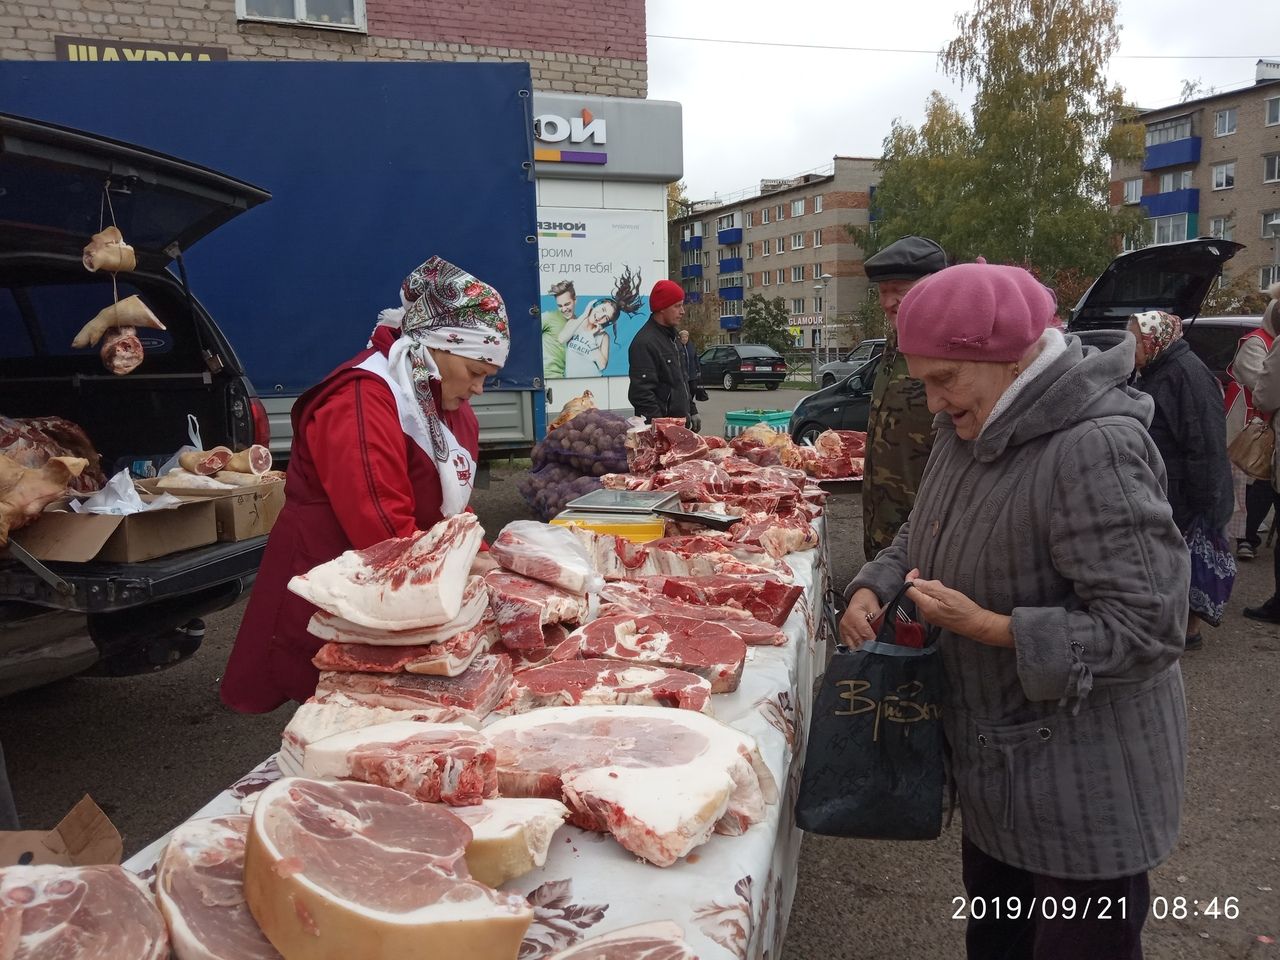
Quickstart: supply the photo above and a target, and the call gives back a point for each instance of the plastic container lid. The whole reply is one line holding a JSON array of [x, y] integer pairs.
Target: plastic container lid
[[636, 527]]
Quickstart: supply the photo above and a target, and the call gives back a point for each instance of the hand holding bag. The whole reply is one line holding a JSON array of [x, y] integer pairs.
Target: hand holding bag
[[1253, 448], [874, 767]]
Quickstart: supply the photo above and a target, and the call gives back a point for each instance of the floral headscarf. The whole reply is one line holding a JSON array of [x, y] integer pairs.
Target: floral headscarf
[[1156, 329]]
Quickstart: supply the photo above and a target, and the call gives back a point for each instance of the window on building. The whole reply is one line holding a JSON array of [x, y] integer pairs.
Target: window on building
[[706, 258], [797, 207], [750, 278], [749, 246], [751, 218], [1166, 131], [764, 279], [764, 216], [1221, 227], [817, 238], [1133, 190], [727, 222], [349, 14], [817, 271], [777, 212], [1271, 168], [1268, 275], [1272, 108], [731, 251], [730, 280], [797, 274], [817, 305], [797, 241], [817, 204], [767, 248], [1271, 223], [1224, 175], [1169, 229], [797, 305], [1177, 180], [1224, 122], [730, 308], [781, 276]]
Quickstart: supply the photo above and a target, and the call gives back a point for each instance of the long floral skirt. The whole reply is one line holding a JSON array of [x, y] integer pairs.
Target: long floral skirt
[[1213, 571]]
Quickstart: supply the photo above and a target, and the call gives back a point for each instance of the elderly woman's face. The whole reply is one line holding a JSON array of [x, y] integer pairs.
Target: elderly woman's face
[[965, 390], [461, 378], [1140, 351]]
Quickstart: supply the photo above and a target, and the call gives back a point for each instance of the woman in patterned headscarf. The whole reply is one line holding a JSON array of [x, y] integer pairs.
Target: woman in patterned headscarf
[[383, 446], [1190, 431]]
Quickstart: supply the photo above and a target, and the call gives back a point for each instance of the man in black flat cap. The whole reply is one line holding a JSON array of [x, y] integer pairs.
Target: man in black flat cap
[[900, 426]]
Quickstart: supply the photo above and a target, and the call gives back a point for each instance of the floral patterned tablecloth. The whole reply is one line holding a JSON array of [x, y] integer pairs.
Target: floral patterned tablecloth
[[732, 895]]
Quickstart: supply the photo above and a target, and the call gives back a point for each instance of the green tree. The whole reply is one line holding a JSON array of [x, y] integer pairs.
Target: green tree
[[1025, 178], [677, 206], [766, 321]]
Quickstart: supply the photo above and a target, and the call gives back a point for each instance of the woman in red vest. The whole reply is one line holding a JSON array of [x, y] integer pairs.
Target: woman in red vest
[[1262, 380], [383, 446]]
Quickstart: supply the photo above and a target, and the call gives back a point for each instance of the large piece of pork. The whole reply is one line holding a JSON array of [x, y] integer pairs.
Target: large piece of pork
[[24, 492]]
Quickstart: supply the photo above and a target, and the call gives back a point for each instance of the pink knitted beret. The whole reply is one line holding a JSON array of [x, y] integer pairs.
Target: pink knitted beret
[[975, 311]]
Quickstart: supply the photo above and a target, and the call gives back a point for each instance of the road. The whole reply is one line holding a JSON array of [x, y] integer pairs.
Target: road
[[151, 749]]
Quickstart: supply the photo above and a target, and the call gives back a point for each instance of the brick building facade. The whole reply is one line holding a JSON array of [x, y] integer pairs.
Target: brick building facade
[[596, 48]]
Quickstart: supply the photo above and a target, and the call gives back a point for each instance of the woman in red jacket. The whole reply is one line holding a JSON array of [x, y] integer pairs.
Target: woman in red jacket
[[383, 446]]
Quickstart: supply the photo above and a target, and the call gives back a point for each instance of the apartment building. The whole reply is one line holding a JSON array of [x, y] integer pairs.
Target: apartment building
[[787, 240], [580, 48], [1212, 168]]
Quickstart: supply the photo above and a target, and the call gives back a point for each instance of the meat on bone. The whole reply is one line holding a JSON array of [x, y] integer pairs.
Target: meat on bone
[[24, 492], [400, 584], [708, 650], [80, 913], [255, 459], [476, 690], [528, 611], [447, 659], [200, 889], [546, 553], [833, 444], [599, 681], [121, 351], [765, 597], [659, 780], [636, 599], [620, 559], [509, 836], [33, 441], [660, 940], [314, 721], [129, 312], [325, 868], [433, 762], [475, 602], [205, 463]]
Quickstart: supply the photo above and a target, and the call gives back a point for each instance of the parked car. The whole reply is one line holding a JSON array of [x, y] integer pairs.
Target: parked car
[[737, 363], [845, 405], [829, 373], [60, 618]]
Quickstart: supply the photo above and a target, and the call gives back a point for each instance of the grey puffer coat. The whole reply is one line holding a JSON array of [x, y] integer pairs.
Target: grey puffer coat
[[1068, 750]]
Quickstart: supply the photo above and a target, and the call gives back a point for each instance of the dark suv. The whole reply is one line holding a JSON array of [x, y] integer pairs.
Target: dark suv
[[738, 363], [56, 187]]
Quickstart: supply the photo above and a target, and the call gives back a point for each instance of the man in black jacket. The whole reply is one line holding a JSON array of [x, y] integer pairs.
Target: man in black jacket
[[659, 387]]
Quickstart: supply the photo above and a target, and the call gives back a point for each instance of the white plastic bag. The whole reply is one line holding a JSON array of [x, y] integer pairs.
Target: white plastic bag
[[119, 498], [553, 555]]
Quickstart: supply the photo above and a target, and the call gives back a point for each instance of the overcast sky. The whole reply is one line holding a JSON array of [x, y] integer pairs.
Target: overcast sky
[[769, 111]]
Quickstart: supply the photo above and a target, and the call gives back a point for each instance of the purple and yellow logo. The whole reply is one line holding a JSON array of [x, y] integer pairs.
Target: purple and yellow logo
[[553, 129]]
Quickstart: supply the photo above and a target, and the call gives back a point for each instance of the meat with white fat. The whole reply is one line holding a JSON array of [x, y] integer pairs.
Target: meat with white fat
[[601, 681], [325, 877], [659, 780], [528, 611], [509, 836], [447, 659], [402, 583], [24, 493], [765, 597], [475, 603], [476, 690], [550, 554], [635, 598]]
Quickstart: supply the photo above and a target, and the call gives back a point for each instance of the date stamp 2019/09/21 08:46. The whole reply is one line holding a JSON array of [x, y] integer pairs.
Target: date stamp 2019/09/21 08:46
[[1091, 908]]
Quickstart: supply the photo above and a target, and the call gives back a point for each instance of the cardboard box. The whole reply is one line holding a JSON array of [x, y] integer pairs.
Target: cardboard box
[[85, 837], [242, 513], [62, 535]]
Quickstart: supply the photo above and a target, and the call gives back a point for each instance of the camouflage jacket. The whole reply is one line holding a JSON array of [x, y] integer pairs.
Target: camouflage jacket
[[899, 437]]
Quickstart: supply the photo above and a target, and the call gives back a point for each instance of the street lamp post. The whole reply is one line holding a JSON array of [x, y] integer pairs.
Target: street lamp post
[[821, 287]]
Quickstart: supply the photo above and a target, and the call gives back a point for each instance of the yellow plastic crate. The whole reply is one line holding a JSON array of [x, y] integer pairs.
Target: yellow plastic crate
[[638, 528]]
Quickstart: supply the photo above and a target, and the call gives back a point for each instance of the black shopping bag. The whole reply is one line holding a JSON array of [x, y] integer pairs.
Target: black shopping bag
[[874, 766]]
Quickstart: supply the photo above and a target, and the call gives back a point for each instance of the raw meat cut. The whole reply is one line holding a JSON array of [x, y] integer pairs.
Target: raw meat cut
[[617, 558], [777, 536], [636, 599], [434, 762], [24, 493], [598, 681], [200, 889], [106, 250], [509, 836], [764, 597], [825, 468], [708, 650], [399, 584], [78, 913], [660, 940], [834, 444], [664, 443], [315, 720], [546, 553], [179, 479], [33, 441], [129, 312], [446, 659], [659, 780], [346, 870], [476, 690], [121, 350], [205, 463], [256, 460], [529, 611], [475, 601]]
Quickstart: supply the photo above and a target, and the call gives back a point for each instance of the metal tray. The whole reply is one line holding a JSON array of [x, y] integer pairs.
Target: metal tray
[[624, 501]]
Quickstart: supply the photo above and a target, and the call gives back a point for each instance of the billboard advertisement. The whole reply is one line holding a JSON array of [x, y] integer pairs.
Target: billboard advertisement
[[596, 270]]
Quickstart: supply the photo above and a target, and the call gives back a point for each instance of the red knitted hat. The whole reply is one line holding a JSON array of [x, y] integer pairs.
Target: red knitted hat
[[975, 311], [665, 293]]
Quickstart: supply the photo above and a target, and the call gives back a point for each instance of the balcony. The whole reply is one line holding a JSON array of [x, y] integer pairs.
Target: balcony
[[691, 270], [731, 265], [693, 296], [731, 323], [1175, 153], [731, 293], [693, 243], [1171, 203], [729, 237]]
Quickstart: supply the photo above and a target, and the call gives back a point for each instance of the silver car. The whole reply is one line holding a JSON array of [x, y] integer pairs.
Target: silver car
[[836, 370]]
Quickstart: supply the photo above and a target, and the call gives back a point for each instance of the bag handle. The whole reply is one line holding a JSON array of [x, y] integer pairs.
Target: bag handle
[[893, 611]]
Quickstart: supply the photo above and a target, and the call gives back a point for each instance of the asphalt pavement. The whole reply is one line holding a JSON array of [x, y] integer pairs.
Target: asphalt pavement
[[152, 749]]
